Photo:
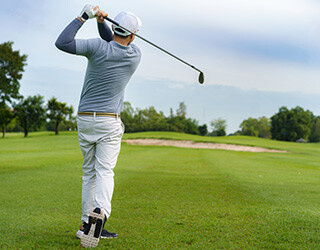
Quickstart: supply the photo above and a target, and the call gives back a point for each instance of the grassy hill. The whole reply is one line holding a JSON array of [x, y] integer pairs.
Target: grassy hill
[[165, 197]]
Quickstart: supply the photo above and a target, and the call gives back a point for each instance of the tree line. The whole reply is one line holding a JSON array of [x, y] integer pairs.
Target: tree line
[[149, 119], [30, 114], [286, 125]]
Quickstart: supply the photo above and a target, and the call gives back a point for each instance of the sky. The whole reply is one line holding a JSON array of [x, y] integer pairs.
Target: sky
[[256, 55]]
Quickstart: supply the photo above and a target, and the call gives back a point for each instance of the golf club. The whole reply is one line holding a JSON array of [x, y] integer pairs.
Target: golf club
[[201, 76]]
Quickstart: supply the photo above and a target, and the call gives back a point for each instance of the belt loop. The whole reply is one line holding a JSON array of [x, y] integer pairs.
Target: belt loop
[[117, 116], [94, 116]]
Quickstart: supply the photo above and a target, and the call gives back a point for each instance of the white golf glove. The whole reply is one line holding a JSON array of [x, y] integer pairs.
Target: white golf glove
[[89, 11]]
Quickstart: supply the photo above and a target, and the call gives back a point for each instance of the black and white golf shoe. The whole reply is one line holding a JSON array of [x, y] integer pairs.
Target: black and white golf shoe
[[104, 233], [92, 231]]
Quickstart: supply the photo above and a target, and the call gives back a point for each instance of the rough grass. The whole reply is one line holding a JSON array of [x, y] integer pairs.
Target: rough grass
[[165, 197]]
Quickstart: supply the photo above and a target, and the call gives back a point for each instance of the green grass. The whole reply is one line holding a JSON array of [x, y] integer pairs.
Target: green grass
[[165, 197]]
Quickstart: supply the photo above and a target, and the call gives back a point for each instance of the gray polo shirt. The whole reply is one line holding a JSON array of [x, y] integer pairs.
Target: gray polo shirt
[[110, 67]]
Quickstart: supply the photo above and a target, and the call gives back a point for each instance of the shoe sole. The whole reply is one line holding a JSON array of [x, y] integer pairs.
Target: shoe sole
[[91, 236], [104, 237]]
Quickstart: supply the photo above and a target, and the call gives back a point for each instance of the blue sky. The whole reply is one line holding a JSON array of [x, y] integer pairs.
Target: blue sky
[[256, 55]]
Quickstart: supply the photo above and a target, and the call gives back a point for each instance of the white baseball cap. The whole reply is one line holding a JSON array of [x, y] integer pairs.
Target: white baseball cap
[[127, 20]]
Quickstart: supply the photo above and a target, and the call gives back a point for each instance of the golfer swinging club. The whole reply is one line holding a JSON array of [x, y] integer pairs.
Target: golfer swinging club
[[112, 61]]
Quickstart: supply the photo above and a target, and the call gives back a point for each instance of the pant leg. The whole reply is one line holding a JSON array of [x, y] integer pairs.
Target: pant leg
[[88, 180], [87, 144], [107, 152]]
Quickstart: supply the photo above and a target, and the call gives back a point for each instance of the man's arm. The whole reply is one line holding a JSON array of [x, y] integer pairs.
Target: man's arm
[[104, 31], [66, 41]]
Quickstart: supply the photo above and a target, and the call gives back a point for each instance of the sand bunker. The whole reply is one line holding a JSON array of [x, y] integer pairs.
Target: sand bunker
[[192, 144]]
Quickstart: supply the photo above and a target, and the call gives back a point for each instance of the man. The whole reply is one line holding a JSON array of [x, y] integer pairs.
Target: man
[[111, 62]]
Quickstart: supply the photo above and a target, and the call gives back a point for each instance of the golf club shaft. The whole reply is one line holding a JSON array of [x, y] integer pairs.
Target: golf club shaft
[[117, 24]]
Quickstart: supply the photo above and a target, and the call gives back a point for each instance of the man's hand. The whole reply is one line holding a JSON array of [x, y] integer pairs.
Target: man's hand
[[89, 11], [100, 16]]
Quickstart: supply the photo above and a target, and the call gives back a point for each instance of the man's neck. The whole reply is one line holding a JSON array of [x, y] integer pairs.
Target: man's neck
[[121, 41]]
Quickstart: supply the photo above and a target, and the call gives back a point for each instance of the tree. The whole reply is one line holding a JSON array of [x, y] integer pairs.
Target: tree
[[6, 117], [148, 120], [11, 66], [127, 116], [256, 127], [182, 124], [154, 121], [30, 113], [191, 126], [219, 127], [315, 130], [171, 113], [182, 110], [291, 125], [203, 130], [127, 112], [250, 127], [58, 112], [264, 126]]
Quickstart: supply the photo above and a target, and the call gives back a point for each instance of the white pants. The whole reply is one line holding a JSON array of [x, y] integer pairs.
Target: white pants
[[100, 142]]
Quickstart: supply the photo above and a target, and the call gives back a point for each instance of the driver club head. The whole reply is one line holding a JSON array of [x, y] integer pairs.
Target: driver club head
[[201, 78]]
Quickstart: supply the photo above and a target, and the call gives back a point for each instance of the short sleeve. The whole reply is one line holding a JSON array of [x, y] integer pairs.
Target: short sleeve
[[87, 47]]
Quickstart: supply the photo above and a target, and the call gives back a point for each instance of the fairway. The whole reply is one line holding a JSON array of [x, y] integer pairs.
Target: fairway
[[165, 197]]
